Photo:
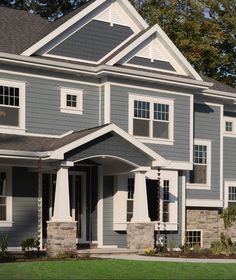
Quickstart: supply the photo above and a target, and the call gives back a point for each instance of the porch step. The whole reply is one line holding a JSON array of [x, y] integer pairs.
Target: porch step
[[105, 251]]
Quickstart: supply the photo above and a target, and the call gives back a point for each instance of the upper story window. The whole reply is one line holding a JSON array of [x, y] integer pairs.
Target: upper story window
[[151, 119], [230, 125], [12, 104], [71, 101], [201, 173]]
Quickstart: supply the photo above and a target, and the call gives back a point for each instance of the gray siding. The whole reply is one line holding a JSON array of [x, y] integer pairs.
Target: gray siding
[[93, 41], [158, 64], [112, 145], [43, 106], [229, 158], [181, 149], [110, 237], [25, 207], [207, 126]]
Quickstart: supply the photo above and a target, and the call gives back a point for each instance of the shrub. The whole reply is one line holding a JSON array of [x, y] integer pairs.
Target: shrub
[[67, 255], [29, 244], [149, 252], [216, 247], [171, 245], [4, 243]]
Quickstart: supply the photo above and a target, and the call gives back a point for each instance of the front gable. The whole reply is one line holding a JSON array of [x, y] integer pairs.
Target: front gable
[[91, 34]]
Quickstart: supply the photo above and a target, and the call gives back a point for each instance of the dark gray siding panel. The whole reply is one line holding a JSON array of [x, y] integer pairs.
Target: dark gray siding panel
[[181, 149], [25, 207], [207, 126], [112, 145], [93, 41], [159, 64], [229, 158], [43, 106], [110, 237]]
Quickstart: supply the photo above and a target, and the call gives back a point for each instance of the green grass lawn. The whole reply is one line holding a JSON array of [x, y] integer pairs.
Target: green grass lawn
[[115, 269]]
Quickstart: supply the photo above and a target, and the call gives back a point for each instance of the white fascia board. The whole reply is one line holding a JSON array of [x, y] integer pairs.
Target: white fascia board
[[220, 94], [20, 154], [59, 153], [62, 28], [204, 203], [179, 165]]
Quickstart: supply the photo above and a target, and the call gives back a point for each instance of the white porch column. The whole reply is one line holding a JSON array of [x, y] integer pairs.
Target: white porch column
[[61, 211], [140, 206]]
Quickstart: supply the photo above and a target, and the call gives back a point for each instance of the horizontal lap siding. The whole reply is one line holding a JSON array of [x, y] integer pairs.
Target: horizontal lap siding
[[43, 106], [119, 115], [229, 158], [207, 126], [24, 207], [110, 237]]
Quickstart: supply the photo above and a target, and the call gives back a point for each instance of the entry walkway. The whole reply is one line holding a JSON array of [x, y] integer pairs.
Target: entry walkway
[[136, 257]]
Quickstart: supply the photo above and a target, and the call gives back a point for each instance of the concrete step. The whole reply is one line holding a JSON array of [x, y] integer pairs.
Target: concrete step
[[106, 251]]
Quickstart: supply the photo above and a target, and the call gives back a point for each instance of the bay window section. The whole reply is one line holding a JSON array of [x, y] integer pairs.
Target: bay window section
[[151, 118]]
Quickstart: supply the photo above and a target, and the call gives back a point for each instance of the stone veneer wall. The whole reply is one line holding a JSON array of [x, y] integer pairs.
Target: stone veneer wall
[[61, 237], [140, 236], [210, 223]]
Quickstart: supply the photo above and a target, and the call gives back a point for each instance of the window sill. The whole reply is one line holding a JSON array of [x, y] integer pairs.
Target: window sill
[[71, 111], [12, 129], [198, 186], [155, 140], [6, 224]]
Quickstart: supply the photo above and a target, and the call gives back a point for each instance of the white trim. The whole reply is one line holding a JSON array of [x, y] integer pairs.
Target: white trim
[[79, 102], [156, 29], [183, 205], [204, 203], [59, 153], [221, 152], [22, 92], [8, 222], [229, 133], [107, 103], [91, 8], [100, 208], [227, 184], [179, 165], [152, 100], [40, 208], [206, 186], [191, 130]]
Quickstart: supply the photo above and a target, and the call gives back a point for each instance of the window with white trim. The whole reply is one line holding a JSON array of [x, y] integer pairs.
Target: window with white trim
[[151, 118], [71, 101], [12, 104], [194, 238], [5, 197], [230, 125], [130, 199], [232, 194], [201, 173]]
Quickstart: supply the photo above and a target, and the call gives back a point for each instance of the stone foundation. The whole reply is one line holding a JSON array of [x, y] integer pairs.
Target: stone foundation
[[209, 221], [140, 236], [61, 237]]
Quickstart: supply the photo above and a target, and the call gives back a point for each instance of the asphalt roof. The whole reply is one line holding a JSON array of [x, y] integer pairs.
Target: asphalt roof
[[218, 85], [29, 143]]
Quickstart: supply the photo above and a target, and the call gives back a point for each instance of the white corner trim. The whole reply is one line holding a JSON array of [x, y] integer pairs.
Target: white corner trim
[[100, 208], [221, 152], [107, 103], [183, 227], [191, 125], [204, 203]]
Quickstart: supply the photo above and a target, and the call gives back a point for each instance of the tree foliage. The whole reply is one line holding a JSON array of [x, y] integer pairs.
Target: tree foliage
[[203, 30]]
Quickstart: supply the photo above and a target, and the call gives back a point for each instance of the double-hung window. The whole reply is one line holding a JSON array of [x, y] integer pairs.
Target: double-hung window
[[201, 173], [12, 104], [5, 198], [151, 118], [71, 101]]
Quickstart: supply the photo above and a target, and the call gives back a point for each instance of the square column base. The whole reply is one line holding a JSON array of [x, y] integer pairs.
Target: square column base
[[61, 237], [140, 236]]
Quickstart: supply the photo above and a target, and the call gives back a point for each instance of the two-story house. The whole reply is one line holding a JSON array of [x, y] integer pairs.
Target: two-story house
[[108, 134]]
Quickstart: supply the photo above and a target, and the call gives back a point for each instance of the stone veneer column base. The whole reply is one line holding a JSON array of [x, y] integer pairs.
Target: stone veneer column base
[[140, 236], [61, 237]]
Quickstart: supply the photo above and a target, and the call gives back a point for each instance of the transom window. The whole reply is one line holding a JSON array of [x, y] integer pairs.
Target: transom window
[[71, 101], [201, 163], [130, 199], [194, 238], [151, 117], [232, 193]]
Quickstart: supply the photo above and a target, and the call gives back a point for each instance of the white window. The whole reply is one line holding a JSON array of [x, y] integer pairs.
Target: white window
[[5, 198], [151, 119], [12, 105], [200, 176], [230, 126], [194, 238], [71, 101], [232, 193], [130, 199]]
